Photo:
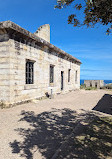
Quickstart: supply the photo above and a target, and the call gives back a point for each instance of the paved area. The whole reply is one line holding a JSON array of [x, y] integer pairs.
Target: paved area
[[36, 130]]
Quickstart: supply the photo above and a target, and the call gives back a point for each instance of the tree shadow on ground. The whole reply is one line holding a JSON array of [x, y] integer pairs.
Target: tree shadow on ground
[[48, 130], [105, 104], [92, 138]]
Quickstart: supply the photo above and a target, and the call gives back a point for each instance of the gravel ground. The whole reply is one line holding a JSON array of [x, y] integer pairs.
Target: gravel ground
[[36, 130]]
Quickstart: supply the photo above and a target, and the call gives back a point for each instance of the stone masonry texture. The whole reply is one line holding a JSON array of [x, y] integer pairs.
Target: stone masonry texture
[[94, 83], [18, 45]]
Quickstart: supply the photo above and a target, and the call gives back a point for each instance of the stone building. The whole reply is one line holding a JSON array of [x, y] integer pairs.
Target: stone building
[[30, 66], [94, 83]]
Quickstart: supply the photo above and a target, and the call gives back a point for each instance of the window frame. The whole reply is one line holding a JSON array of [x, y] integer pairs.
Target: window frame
[[29, 75], [51, 74]]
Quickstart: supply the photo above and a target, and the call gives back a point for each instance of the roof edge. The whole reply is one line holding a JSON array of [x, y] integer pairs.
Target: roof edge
[[12, 25]]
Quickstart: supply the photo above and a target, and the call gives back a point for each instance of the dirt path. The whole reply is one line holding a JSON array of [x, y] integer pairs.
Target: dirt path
[[36, 130]]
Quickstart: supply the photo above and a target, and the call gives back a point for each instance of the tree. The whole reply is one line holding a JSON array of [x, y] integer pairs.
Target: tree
[[95, 11]]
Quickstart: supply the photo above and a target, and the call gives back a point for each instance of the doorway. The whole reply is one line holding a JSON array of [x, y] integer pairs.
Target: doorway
[[62, 74]]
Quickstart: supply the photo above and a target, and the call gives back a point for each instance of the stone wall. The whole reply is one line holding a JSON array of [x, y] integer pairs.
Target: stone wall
[[94, 83], [44, 32], [20, 91], [4, 72], [17, 45]]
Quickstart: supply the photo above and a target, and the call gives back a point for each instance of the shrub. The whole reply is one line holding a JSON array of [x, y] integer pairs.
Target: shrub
[[82, 86], [2, 105]]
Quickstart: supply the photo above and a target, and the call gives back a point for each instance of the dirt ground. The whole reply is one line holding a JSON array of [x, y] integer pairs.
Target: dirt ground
[[37, 130]]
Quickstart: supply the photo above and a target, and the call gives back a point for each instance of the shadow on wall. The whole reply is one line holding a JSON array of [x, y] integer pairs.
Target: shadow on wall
[[49, 129], [105, 104]]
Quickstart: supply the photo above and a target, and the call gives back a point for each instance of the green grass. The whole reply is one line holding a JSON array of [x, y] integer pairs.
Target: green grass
[[83, 86], [92, 140], [90, 88]]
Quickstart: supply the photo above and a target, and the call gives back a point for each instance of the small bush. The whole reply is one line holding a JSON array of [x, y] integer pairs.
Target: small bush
[[2, 105], [82, 86]]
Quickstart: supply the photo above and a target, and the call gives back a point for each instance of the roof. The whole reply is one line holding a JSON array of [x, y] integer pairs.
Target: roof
[[15, 27]]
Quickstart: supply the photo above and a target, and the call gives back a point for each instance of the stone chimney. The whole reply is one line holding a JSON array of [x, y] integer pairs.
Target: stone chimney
[[44, 32]]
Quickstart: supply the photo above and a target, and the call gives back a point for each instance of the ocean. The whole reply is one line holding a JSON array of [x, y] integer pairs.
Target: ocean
[[105, 81]]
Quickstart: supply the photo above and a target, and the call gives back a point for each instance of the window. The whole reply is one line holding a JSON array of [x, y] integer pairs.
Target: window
[[76, 76], [51, 74], [29, 72], [69, 75]]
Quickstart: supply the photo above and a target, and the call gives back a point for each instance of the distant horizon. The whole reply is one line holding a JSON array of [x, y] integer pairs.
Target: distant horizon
[[98, 79], [105, 81]]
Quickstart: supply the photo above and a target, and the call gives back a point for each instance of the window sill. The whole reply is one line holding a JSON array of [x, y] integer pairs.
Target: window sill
[[30, 86]]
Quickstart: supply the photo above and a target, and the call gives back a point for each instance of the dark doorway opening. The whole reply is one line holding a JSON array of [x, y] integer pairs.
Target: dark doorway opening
[[62, 74]]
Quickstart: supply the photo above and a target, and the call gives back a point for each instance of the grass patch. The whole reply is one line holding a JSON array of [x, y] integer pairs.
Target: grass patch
[[83, 86], [93, 140], [90, 88]]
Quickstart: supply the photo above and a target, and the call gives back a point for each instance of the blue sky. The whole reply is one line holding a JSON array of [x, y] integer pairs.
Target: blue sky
[[91, 45]]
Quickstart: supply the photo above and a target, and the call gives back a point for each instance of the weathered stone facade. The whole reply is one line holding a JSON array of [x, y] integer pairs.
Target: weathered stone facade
[[94, 83], [17, 45]]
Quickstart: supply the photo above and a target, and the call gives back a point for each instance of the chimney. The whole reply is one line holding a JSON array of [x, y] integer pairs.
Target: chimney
[[44, 32]]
